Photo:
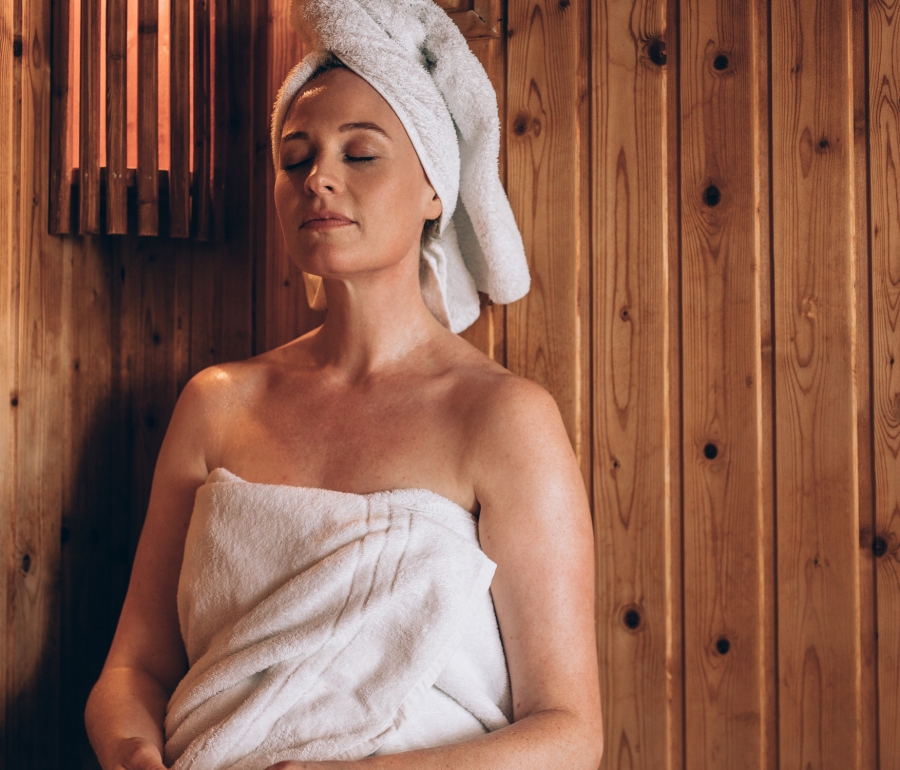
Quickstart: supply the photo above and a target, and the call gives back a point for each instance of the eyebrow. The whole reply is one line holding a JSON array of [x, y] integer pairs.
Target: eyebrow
[[364, 125]]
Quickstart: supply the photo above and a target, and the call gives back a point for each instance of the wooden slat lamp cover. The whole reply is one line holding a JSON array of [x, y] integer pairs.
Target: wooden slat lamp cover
[[101, 40]]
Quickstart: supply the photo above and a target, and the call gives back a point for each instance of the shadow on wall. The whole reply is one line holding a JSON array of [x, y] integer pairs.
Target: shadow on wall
[[125, 371], [95, 562]]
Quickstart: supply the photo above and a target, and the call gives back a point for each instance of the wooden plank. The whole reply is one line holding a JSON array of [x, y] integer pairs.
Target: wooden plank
[[116, 117], [147, 129], [9, 301], [867, 734], [222, 298], [258, 188], [201, 211], [724, 513], [547, 338], [633, 428], [89, 150], [766, 391], [815, 387], [884, 165], [180, 120], [669, 56], [60, 177], [237, 86], [32, 540], [223, 65]]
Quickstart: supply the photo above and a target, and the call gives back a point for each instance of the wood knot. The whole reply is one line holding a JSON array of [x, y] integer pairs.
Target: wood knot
[[631, 617], [879, 546], [17, 47], [710, 451], [712, 195], [720, 63], [520, 125], [656, 52], [723, 646]]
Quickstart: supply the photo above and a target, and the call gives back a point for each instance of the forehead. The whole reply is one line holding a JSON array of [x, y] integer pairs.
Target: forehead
[[340, 95]]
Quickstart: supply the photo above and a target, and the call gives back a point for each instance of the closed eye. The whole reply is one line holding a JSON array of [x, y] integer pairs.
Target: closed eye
[[351, 158]]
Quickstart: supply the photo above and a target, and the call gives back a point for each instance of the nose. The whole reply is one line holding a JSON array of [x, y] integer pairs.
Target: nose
[[323, 177]]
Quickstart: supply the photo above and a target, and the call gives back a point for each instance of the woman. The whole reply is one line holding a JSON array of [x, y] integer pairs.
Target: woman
[[382, 396]]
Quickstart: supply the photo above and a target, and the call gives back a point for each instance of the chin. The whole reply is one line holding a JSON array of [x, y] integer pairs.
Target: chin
[[333, 261]]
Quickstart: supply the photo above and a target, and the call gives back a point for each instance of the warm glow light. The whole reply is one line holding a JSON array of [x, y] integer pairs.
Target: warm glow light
[[163, 103]]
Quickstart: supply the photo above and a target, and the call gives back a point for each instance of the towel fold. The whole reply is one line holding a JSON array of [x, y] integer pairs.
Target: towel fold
[[327, 625]]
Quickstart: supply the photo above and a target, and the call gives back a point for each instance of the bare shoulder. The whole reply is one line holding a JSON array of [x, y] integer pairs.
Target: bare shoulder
[[208, 404], [508, 414], [515, 436], [221, 384]]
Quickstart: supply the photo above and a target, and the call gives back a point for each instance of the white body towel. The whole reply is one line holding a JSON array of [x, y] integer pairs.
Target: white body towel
[[328, 625]]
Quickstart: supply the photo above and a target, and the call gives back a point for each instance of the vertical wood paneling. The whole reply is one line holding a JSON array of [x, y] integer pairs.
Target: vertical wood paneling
[[224, 65], [201, 211], [89, 149], [662, 324], [31, 284], [813, 190], [867, 734], [723, 508], [96, 339], [766, 393], [547, 331], [236, 172], [884, 180], [180, 117], [147, 136], [675, 524], [637, 614], [116, 117], [9, 300], [60, 177]]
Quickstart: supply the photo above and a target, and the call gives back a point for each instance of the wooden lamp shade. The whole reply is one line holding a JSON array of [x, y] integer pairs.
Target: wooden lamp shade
[[136, 99]]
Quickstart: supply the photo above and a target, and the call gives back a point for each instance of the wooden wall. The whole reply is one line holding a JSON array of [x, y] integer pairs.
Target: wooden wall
[[99, 335], [710, 200]]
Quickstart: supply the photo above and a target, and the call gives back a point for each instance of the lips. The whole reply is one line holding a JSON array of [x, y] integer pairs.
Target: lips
[[319, 220]]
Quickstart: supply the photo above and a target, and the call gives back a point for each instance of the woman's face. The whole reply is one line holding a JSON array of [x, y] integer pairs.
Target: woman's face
[[350, 191]]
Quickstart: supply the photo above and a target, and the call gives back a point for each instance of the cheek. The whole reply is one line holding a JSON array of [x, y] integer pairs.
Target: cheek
[[285, 198], [397, 209]]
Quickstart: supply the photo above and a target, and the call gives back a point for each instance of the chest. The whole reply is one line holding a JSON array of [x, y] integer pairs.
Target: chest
[[360, 440]]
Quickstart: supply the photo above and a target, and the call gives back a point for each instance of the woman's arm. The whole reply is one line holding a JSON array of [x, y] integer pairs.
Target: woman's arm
[[125, 710], [535, 524]]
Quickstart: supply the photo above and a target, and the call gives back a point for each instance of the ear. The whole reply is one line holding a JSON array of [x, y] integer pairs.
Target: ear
[[434, 208]]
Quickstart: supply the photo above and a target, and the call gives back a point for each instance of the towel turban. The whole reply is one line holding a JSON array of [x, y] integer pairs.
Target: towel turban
[[412, 53]]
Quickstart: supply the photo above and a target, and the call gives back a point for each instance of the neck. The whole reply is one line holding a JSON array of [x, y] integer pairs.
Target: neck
[[374, 321]]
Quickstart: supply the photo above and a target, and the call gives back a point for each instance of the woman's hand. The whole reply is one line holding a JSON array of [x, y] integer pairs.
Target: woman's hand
[[138, 754]]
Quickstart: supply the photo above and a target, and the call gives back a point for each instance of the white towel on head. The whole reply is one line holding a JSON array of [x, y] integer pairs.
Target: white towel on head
[[416, 58]]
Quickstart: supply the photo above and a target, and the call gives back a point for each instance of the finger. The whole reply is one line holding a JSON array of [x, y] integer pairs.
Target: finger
[[145, 757]]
